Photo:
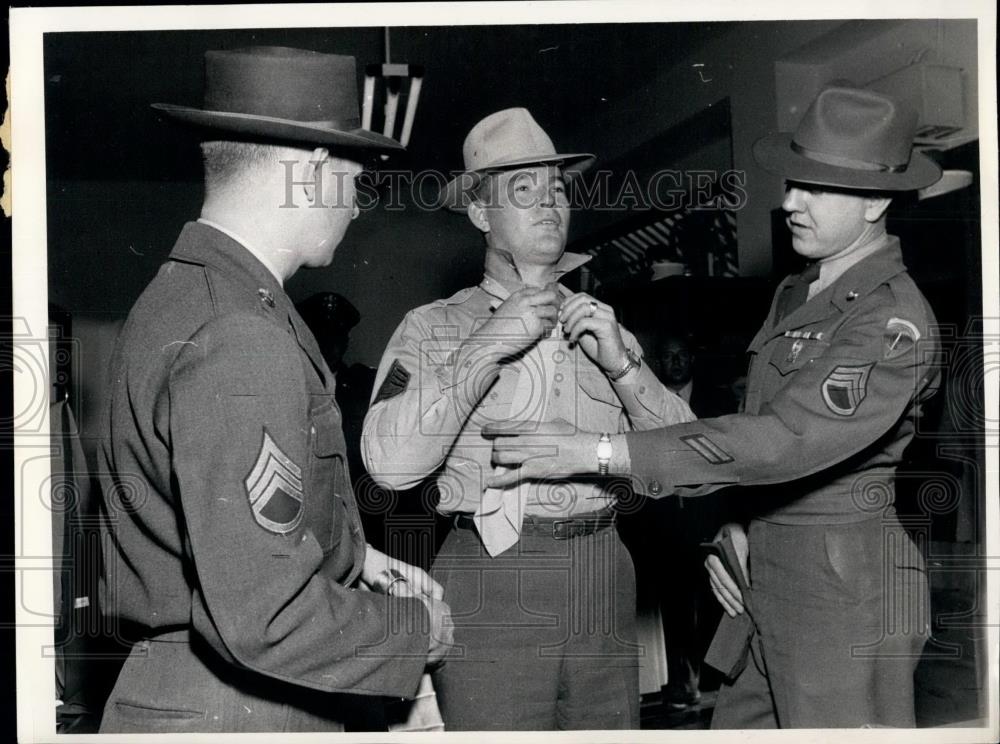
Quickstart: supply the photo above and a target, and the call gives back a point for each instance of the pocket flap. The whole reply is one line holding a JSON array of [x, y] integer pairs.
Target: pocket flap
[[327, 430], [595, 384], [791, 354]]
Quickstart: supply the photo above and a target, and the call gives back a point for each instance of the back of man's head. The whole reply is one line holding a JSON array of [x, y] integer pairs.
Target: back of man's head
[[229, 165]]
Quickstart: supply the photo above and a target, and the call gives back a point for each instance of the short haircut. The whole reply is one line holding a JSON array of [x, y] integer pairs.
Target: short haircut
[[483, 190], [228, 161]]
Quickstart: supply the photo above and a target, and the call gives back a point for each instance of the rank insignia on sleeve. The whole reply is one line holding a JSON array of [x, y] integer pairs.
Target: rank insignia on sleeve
[[900, 336], [274, 488], [845, 388], [395, 382], [707, 449]]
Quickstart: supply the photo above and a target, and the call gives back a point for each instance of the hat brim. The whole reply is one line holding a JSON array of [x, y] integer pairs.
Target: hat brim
[[285, 130], [774, 153], [456, 193]]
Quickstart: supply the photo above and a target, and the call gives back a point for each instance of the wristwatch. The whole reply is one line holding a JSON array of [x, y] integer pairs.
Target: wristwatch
[[632, 361], [604, 453]]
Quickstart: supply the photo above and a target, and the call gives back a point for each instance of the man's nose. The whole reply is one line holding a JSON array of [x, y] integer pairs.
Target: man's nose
[[793, 199]]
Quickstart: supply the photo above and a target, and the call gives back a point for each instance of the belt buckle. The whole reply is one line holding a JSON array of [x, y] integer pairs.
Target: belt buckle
[[555, 529]]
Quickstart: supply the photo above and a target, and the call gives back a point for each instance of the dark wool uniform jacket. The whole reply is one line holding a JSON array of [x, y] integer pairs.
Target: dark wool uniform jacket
[[227, 506], [833, 396]]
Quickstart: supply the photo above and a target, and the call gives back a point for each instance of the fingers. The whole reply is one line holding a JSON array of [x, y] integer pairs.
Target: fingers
[[554, 428], [537, 296], [507, 479], [724, 587], [595, 326], [580, 307]]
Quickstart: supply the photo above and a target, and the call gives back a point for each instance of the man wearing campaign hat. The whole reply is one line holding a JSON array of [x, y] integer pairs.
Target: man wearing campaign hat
[[827, 619], [234, 557], [542, 588]]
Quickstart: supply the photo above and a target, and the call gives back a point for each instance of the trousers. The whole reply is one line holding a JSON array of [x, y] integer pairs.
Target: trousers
[[545, 634], [843, 615]]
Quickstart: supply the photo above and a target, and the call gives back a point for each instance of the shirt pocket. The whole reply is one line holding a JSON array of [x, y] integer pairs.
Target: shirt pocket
[[792, 354], [599, 404], [327, 477]]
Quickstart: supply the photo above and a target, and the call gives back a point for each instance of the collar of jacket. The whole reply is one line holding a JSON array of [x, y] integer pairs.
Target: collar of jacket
[[857, 282], [501, 278], [203, 245]]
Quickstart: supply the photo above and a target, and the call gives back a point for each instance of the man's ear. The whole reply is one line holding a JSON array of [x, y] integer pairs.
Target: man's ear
[[312, 175], [477, 215], [875, 207]]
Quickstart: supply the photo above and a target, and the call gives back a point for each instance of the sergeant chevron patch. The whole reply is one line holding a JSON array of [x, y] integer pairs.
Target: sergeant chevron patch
[[274, 488], [707, 449], [845, 387], [395, 382]]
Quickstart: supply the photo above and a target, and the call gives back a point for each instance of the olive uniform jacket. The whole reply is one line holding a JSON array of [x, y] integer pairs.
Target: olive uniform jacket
[[227, 506], [833, 395]]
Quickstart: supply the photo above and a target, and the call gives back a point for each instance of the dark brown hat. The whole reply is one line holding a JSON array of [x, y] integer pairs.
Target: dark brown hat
[[851, 138], [278, 93]]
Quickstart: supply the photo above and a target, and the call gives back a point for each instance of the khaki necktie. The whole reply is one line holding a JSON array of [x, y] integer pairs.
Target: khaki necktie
[[501, 511], [799, 293]]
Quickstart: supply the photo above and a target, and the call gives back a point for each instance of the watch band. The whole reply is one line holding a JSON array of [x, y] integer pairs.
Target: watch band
[[631, 361]]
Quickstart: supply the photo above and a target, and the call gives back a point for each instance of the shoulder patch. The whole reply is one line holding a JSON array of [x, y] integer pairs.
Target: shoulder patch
[[845, 387], [395, 382], [900, 336], [274, 488]]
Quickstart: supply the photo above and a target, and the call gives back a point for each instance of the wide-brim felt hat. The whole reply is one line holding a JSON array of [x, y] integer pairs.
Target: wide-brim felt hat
[[502, 141], [282, 94], [851, 138]]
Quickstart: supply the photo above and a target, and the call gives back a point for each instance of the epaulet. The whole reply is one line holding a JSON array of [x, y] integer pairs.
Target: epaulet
[[907, 295]]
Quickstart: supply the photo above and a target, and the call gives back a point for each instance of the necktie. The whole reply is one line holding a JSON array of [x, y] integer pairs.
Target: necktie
[[501, 511], [797, 295]]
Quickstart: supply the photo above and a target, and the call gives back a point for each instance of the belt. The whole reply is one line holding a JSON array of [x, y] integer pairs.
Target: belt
[[558, 528]]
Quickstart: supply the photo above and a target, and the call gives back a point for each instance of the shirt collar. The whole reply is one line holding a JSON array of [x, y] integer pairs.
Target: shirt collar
[[501, 280], [832, 269], [256, 252]]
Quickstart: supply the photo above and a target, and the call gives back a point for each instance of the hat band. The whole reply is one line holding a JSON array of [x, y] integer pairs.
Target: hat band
[[822, 157], [340, 124], [332, 123]]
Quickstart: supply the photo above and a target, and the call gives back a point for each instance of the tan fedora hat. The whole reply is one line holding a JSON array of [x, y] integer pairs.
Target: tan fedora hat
[[851, 138], [282, 94], [507, 139]]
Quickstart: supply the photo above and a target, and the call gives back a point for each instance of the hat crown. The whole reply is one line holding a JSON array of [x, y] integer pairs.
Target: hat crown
[[857, 126], [507, 136], [284, 83]]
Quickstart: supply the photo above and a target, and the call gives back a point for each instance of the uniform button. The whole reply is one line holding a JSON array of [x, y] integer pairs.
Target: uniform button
[[559, 377], [556, 392], [655, 487], [642, 389], [493, 396], [312, 430]]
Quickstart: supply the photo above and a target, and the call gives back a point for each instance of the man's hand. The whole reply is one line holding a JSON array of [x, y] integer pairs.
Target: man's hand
[[420, 582], [415, 583], [442, 630], [523, 318], [593, 325], [724, 587], [532, 450]]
